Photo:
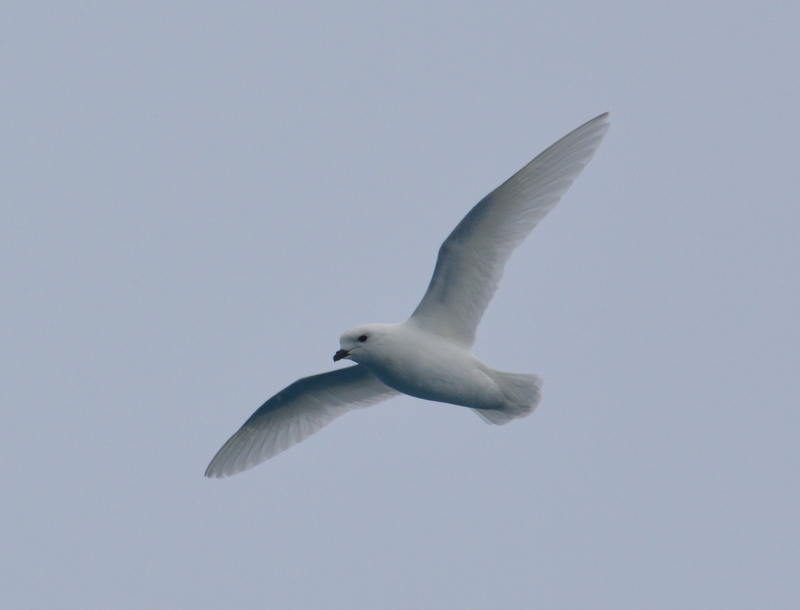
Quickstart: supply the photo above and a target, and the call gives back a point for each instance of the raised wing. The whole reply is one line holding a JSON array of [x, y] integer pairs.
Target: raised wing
[[295, 413], [472, 258]]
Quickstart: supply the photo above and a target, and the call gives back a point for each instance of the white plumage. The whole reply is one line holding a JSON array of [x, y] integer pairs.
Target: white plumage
[[428, 355]]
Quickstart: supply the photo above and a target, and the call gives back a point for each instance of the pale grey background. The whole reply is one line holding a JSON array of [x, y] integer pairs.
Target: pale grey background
[[198, 198]]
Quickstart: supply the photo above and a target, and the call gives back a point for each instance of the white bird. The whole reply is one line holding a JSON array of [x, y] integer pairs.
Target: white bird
[[429, 355]]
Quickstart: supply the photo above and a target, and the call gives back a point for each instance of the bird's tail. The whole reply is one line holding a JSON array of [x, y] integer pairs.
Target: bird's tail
[[522, 393]]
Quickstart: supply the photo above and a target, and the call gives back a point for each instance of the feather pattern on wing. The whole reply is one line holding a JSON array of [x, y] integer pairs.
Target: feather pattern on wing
[[471, 260], [295, 413]]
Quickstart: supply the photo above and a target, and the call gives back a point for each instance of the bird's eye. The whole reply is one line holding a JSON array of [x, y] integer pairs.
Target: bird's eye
[[363, 338]]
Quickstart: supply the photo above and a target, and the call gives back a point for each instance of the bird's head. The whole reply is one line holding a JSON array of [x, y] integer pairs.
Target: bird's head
[[359, 344]]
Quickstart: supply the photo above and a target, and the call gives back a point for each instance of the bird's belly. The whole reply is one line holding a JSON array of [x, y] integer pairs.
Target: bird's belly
[[461, 382]]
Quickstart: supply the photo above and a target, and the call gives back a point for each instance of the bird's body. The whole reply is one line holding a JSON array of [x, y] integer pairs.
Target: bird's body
[[415, 362], [429, 355]]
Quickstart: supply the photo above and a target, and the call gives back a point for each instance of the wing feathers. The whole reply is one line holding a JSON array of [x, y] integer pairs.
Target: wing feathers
[[295, 413], [471, 260]]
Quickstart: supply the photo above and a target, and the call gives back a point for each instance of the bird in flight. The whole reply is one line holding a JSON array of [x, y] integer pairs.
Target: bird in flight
[[429, 355]]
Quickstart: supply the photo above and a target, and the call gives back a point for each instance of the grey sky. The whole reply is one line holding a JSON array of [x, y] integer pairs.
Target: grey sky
[[199, 198]]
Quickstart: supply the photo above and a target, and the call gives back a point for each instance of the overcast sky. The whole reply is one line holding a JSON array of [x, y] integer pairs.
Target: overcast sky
[[198, 198]]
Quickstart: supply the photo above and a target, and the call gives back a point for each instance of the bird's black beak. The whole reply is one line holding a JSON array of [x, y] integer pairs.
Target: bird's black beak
[[342, 353]]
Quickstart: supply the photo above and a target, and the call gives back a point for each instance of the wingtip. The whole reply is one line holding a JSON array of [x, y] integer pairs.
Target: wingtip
[[212, 474], [598, 126], [601, 118]]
